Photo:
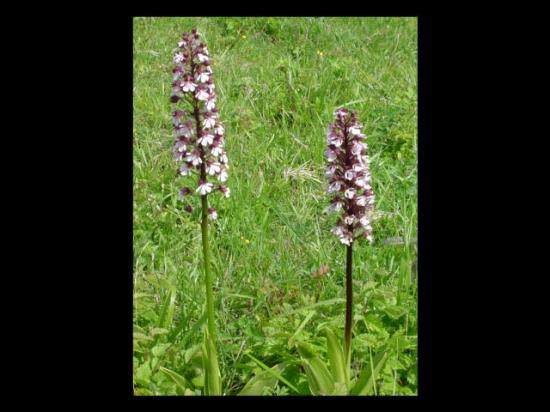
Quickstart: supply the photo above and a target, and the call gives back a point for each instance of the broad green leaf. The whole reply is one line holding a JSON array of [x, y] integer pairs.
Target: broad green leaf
[[368, 375], [336, 358], [198, 381], [192, 351], [319, 377], [394, 312], [213, 378], [143, 374], [273, 372], [306, 350], [261, 381], [159, 349], [179, 380]]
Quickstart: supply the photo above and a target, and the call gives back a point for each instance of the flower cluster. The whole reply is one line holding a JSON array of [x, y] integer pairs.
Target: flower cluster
[[349, 177], [199, 133]]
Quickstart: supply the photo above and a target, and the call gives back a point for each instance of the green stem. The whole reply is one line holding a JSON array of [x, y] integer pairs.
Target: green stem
[[207, 273], [349, 304]]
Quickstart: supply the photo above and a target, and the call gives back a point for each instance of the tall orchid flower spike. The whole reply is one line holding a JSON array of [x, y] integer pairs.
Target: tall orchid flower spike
[[349, 180], [199, 148]]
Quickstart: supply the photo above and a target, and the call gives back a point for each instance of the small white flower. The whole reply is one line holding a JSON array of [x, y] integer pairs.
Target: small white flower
[[350, 193], [361, 200], [358, 167], [346, 240], [224, 159], [334, 186], [180, 146], [222, 177], [361, 182], [194, 158], [206, 140], [335, 206], [208, 122], [181, 44], [354, 130], [212, 214], [216, 150], [340, 112], [188, 86], [205, 188], [178, 58], [202, 95], [213, 168], [202, 57], [210, 104], [365, 222], [219, 129], [184, 170], [330, 171], [357, 148], [370, 238], [203, 77], [349, 220], [338, 231], [185, 130], [226, 191], [331, 155], [349, 175]]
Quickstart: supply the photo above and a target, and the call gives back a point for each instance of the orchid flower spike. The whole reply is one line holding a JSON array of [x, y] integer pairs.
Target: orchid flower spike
[[349, 177], [199, 144]]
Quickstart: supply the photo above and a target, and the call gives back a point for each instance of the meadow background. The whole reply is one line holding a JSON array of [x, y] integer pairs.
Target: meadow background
[[278, 82]]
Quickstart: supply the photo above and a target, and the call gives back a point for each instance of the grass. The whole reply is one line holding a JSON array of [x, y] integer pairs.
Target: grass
[[278, 82]]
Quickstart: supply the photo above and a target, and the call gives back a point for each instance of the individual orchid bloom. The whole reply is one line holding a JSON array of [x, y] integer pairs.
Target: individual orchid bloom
[[181, 146], [202, 77], [331, 155], [205, 139], [202, 57], [329, 173], [178, 58], [185, 170], [213, 168], [188, 85], [349, 174], [194, 157], [350, 192], [212, 214], [185, 192], [204, 187], [211, 103], [209, 121], [334, 186], [222, 176], [202, 94], [219, 129], [349, 220], [224, 159], [216, 150], [336, 205], [225, 190]]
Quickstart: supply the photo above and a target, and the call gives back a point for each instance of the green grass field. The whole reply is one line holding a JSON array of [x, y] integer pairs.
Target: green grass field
[[278, 82]]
